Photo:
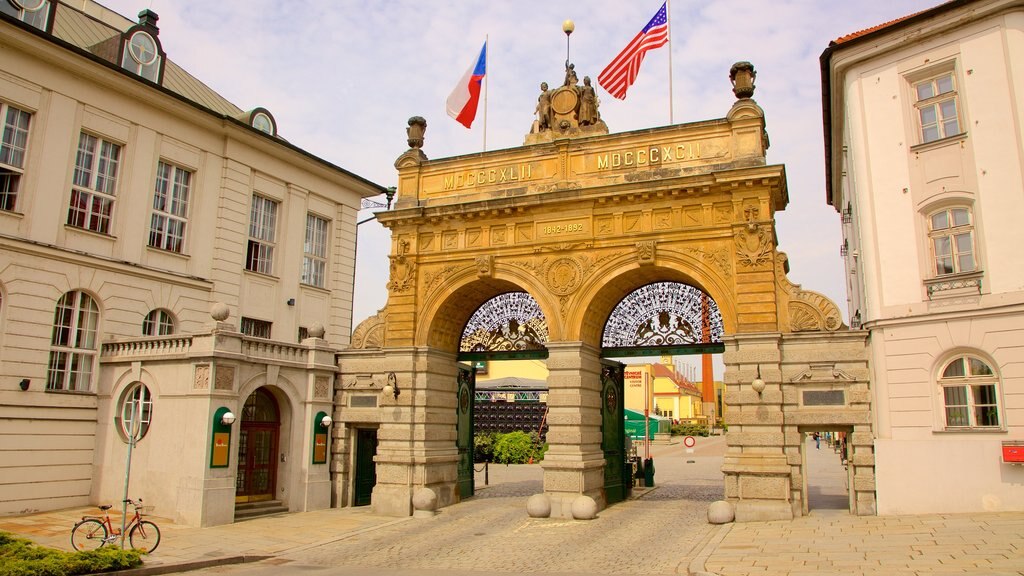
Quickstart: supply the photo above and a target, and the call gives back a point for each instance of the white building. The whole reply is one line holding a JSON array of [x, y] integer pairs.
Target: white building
[[924, 136], [134, 201]]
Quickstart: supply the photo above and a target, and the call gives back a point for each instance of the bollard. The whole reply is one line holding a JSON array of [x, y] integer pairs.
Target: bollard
[[649, 473]]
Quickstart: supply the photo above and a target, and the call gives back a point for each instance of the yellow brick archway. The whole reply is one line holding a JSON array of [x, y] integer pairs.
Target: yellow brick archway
[[579, 223]]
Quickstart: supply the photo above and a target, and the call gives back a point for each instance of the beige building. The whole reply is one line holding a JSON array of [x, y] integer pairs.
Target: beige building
[[924, 136], [160, 248], [663, 391]]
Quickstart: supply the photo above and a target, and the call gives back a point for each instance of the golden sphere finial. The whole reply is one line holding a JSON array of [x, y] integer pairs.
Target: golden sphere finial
[[568, 26]]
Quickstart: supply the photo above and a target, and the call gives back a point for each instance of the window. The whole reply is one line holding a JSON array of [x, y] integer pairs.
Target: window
[[142, 56], [95, 182], [35, 13], [170, 207], [303, 333], [259, 256], [937, 107], [135, 412], [314, 263], [12, 154], [256, 328], [73, 345], [969, 394], [159, 322], [951, 235]]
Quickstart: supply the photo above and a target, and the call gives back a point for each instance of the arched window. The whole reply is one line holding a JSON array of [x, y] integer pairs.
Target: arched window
[[134, 412], [970, 393], [158, 322], [73, 344]]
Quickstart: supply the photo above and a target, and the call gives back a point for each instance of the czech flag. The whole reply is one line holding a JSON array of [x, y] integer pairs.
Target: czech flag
[[462, 102]]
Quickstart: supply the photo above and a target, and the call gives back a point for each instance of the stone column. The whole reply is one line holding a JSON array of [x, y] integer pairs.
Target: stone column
[[416, 440], [574, 463], [757, 474]]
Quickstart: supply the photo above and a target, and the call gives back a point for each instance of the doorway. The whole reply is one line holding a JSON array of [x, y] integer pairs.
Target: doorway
[[257, 447], [366, 470]]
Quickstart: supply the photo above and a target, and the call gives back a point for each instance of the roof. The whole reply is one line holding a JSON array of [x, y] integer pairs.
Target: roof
[[95, 31], [855, 38], [89, 33], [512, 383]]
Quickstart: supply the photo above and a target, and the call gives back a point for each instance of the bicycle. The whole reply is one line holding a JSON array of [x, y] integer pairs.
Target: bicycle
[[93, 532]]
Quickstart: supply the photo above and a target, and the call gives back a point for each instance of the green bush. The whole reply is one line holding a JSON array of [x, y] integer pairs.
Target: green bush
[[517, 448], [690, 430], [483, 446], [20, 557]]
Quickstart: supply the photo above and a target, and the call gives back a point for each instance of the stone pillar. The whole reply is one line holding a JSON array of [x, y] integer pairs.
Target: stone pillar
[[416, 439], [574, 463], [757, 474]]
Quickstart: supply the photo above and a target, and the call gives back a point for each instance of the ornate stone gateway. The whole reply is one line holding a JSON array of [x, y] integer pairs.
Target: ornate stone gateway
[[579, 220]]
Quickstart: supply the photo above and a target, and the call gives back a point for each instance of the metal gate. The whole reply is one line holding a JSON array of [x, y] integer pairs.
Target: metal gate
[[617, 482], [464, 429]]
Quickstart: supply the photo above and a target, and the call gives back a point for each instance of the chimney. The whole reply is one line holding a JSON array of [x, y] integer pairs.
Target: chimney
[[148, 18]]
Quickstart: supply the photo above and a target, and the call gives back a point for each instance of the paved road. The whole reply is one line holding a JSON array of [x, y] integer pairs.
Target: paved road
[[655, 533]]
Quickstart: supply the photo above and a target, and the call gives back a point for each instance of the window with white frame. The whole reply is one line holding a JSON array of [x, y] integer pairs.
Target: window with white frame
[[135, 412], [255, 328], [95, 183], [259, 256], [158, 322], [969, 393], [938, 107], [73, 344], [12, 154], [951, 233], [35, 13], [170, 207], [314, 261], [142, 55]]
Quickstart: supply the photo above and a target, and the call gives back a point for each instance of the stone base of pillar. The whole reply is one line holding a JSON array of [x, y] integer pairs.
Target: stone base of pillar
[[755, 510], [564, 481]]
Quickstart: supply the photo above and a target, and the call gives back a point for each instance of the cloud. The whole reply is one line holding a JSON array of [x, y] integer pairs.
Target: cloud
[[342, 77]]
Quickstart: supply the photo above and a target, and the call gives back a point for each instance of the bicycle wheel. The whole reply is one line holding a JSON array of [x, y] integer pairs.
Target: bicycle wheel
[[145, 536], [88, 534]]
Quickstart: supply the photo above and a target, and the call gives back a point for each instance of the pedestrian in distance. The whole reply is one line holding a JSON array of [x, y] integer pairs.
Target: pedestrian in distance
[[817, 441]]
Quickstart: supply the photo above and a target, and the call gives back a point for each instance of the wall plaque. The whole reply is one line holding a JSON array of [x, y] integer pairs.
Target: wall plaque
[[824, 398]]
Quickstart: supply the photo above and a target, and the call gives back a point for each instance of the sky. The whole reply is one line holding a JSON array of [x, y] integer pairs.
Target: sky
[[342, 77]]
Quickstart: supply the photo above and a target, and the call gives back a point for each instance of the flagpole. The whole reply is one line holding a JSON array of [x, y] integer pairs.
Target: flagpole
[[487, 75], [668, 19]]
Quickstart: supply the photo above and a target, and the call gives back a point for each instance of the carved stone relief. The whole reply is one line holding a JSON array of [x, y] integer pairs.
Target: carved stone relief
[[320, 387], [403, 270], [484, 266], [753, 245], [225, 379], [370, 332], [645, 252], [202, 377], [809, 311]]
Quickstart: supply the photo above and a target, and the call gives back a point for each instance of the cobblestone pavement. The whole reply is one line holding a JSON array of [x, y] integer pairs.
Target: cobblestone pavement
[[653, 534]]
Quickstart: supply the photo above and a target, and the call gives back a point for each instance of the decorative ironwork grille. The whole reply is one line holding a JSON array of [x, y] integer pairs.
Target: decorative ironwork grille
[[508, 322], [662, 314]]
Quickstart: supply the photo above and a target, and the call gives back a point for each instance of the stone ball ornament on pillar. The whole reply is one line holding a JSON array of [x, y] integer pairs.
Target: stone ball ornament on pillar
[[219, 311]]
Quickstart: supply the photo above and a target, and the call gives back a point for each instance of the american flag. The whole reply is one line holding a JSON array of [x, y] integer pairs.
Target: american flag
[[621, 73]]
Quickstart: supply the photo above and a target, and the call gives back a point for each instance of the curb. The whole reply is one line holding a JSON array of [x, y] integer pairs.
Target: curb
[[707, 547], [188, 565]]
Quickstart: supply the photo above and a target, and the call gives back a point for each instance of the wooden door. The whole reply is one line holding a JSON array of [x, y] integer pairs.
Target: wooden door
[[257, 448]]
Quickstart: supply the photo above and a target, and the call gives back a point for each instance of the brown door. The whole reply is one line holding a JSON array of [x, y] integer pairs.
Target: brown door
[[257, 448]]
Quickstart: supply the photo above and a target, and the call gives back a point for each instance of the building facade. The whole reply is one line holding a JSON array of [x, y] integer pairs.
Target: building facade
[[924, 136], [165, 259]]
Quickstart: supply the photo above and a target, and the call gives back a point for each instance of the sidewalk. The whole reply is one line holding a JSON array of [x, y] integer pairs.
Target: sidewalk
[[185, 548], [663, 530]]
